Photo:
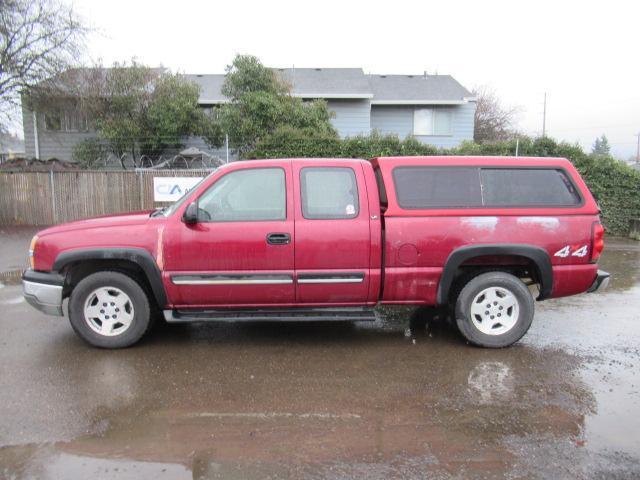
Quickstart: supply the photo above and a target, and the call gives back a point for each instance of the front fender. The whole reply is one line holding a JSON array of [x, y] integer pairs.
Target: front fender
[[139, 256]]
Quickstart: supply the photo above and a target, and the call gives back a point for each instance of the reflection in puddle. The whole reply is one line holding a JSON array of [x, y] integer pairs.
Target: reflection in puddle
[[491, 382], [48, 464]]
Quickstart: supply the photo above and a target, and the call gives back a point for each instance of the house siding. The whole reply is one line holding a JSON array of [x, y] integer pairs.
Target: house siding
[[200, 144], [53, 144], [398, 120], [28, 133], [352, 117], [60, 144]]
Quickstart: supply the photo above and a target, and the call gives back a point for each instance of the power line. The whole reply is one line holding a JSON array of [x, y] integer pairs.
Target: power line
[[544, 116]]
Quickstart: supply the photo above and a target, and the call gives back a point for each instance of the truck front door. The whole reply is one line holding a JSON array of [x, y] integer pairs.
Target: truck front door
[[332, 235], [240, 251]]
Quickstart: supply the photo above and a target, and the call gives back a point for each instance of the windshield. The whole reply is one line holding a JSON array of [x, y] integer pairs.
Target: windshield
[[166, 211]]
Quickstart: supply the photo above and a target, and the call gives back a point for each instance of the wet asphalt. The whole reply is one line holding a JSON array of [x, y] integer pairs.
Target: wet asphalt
[[390, 399]]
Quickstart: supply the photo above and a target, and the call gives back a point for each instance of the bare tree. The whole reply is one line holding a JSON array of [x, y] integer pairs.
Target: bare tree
[[38, 40], [493, 121]]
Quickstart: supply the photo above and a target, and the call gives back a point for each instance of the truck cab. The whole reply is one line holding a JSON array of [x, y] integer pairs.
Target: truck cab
[[329, 239]]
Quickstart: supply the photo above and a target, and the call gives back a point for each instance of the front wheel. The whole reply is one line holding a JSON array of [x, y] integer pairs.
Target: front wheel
[[494, 310], [109, 310]]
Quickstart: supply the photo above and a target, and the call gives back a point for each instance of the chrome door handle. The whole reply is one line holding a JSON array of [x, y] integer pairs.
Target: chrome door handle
[[278, 238]]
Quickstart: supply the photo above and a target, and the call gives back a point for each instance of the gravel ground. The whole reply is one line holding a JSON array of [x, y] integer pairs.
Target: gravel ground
[[390, 399]]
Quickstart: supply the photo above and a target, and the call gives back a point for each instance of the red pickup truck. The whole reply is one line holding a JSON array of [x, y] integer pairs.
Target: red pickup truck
[[329, 239]]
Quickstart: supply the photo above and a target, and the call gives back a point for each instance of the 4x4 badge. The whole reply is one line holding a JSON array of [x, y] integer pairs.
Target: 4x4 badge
[[564, 252]]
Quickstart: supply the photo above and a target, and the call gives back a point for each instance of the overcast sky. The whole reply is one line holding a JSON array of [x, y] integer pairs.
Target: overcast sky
[[584, 54]]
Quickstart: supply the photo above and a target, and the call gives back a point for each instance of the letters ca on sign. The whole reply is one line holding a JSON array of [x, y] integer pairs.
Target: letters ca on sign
[[170, 189]]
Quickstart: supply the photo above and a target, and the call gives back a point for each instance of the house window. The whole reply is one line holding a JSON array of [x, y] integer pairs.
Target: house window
[[75, 121], [53, 121], [66, 121], [432, 121]]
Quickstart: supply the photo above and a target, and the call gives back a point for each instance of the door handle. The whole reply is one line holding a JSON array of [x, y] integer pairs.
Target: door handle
[[278, 238]]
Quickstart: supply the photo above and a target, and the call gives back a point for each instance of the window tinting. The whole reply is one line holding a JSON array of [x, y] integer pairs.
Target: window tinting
[[451, 187], [245, 195], [329, 193], [527, 187], [429, 187]]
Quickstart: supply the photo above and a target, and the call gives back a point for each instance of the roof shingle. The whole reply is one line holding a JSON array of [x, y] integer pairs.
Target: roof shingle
[[351, 83]]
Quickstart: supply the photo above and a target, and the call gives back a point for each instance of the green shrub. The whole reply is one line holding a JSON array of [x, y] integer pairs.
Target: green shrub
[[89, 153], [615, 184], [287, 142]]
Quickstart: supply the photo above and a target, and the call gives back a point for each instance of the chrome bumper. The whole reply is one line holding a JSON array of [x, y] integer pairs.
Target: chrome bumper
[[600, 283], [43, 291]]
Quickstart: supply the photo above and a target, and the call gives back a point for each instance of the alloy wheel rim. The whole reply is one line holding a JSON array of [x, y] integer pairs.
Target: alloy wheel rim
[[495, 311], [108, 311]]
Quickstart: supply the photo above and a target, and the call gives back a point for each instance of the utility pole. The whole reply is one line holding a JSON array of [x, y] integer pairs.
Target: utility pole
[[638, 150], [544, 116]]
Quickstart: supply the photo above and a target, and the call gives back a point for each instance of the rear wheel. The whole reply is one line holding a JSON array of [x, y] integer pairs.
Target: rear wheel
[[109, 310], [494, 309]]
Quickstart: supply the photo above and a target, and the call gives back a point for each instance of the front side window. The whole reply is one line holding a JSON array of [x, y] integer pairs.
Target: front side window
[[329, 193], [257, 194]]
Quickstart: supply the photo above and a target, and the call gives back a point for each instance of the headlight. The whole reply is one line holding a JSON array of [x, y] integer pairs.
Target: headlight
[[32, 247]]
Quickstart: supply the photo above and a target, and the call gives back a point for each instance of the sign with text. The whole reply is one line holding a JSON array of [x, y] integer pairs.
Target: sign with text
[[170, 189]]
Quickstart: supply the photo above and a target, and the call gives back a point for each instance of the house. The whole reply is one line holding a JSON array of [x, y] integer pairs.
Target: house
[[11, 146], [435, 109]]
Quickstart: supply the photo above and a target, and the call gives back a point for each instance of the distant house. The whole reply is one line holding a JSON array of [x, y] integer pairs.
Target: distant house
[[10, 147], [435, 109]]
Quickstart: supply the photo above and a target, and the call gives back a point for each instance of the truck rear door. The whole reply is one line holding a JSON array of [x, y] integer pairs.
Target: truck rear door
[[332, 233]]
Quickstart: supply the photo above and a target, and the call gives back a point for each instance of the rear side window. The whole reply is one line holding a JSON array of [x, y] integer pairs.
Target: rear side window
[[469, 187], [527, 187], [433, 187], [329, 193]]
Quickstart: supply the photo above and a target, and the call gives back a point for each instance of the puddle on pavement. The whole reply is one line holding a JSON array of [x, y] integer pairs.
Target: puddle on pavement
[[403, 397]]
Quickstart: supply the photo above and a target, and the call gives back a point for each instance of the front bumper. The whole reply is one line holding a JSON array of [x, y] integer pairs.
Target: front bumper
[[600, 283], [43, 291]]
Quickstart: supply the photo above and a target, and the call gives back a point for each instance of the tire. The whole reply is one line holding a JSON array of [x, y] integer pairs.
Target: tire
[[494, 310], [109, 310]]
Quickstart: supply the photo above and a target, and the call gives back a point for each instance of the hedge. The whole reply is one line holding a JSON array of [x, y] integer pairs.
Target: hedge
[[615, 184]]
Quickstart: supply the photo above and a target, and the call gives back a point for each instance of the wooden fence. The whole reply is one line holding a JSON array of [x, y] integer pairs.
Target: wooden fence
[[47, 198]]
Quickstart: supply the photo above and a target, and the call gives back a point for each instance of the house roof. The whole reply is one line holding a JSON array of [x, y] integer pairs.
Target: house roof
[[75, 81], [329, 83], [353, 83], [413, 89], [210, 87], [304, 82]]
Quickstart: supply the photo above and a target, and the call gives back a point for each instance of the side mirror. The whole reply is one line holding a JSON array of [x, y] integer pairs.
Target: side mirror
[[190, 215]]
